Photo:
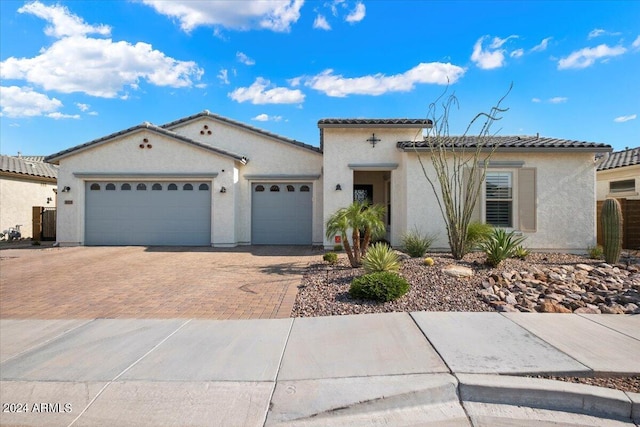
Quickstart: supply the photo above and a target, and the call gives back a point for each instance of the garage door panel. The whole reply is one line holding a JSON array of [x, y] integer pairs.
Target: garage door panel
[[148, 217], [281, 217]]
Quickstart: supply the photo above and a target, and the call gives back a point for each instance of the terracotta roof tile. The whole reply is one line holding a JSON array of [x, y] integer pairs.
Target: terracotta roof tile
[[510, 143], [403, 122], [621, 159], [26, 166]]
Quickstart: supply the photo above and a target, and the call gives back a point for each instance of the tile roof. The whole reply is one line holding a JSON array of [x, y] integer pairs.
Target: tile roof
[[25, 166], [516, 143], [413, 123], [619, 159], [145, 126], [207, 113]]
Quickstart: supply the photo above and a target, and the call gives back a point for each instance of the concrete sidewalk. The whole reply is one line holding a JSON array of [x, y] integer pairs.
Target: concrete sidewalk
[[425, 368]]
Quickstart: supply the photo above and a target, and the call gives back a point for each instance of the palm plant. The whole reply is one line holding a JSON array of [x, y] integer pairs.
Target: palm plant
[[357, 217]]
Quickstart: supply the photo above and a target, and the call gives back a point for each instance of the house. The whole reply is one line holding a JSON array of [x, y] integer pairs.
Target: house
[[25, 182], [618, 176], [210, 180]]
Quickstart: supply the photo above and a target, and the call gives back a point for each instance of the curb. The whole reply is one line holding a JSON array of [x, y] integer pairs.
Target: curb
[[550, 395]]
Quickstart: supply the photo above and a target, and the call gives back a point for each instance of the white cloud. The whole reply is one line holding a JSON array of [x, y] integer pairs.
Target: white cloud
[[536, 100], [275, 15], [321, 23], [93, 113], [487, 59], [258, 93], [58, 115], [586, 57], [83, 107], [623, 119], [265, 118], [357, 14], [636, 43], [242, 57], [63, 23], [558, 100], [498, 42], [223, 76], [598, 32], [25, 102], [378, 84], [517, 53], [542, 46], [98, 67]]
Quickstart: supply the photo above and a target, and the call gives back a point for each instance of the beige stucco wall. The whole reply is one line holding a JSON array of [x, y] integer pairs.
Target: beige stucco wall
[[618, 174], [231, 211], [17, 197]]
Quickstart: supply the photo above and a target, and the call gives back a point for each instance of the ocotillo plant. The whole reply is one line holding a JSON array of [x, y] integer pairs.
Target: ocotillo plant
[[611, 219]]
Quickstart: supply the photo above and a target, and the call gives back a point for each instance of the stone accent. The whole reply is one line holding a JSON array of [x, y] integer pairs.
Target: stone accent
[[578, 288], [457, 271]]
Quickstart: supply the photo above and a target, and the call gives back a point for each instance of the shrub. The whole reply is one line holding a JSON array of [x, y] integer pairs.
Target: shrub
[[416, 244], [337, 248], [381, 286], [429, 262], [380, 257], [477, 233], [595, 252], [520, 252], [500, 246], [330, 257]]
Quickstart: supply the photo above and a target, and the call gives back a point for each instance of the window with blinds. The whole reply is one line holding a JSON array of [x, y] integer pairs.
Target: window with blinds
[[499, 199]]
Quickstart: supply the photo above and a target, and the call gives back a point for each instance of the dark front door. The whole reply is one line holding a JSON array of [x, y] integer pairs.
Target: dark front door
[[363, 193]]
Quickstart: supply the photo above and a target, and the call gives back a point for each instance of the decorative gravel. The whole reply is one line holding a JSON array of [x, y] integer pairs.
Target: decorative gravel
[[324, 290], [630, 384]]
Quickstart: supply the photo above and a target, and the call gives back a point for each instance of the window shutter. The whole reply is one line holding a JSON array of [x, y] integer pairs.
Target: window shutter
[[476, 214], [527, 199]]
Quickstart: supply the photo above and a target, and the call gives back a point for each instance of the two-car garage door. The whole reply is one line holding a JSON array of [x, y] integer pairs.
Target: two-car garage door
[[148, 213]]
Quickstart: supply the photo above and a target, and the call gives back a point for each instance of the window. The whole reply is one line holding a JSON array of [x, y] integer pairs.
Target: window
[[499, 199], [125, 187], [626, 186], [172, 187], [259, 188], [156, 187], [110, 187], [274, 188], [304, 189], [290, 188], [141, 187], [95, 187], [187, 187], [203, 187]]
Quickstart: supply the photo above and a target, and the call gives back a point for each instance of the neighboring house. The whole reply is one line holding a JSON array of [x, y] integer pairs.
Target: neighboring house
[[619, 175], [25, 181], [209, 180]]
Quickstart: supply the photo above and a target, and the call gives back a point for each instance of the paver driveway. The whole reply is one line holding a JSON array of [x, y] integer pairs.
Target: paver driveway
[[151, 282]]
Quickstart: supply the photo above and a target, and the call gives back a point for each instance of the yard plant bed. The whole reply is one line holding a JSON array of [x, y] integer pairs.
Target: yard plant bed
[[544, 282], [631, 384]]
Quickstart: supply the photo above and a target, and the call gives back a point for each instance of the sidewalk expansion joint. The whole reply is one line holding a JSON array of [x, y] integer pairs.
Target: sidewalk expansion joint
[[275, 380]]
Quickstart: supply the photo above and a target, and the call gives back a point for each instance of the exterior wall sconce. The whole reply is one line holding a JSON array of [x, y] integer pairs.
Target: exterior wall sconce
[[49, 199], [223, 189], [66, 189], [338, 187]]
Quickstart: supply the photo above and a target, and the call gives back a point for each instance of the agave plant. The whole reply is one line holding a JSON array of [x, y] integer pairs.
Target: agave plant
[[380, 257], [500, 246]]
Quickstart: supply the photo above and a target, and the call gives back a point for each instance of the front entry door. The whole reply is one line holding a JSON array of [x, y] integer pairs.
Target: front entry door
[[363, 193]]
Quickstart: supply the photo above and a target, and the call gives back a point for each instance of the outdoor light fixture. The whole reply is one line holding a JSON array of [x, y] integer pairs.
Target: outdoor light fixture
[[223, 189], [66, 189], [49, 199], [338, 187]]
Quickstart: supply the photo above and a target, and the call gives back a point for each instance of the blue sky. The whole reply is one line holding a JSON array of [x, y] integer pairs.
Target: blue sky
[[74, 71]]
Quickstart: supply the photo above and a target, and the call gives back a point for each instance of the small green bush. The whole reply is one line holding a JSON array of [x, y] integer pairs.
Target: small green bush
[[595, 252], [380, 257], [330, 257], [520, 252], [500, 246], [477, 233], [381, 286], [416, 244], [337, 248]]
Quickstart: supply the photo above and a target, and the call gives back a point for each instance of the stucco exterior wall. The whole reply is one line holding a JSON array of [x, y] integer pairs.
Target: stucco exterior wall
[[267, 157], [123, 156], [618, 174], [345, 146], [17, 197], [565, 200]]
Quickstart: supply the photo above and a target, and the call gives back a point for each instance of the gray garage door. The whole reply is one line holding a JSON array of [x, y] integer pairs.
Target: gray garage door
[[281, 214], [148, 213]]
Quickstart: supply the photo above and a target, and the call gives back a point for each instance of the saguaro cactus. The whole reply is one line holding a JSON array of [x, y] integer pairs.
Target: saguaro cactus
[[611, 219]]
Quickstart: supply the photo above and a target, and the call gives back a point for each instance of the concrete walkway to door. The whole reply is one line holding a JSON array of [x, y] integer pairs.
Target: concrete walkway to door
[[255, 282]]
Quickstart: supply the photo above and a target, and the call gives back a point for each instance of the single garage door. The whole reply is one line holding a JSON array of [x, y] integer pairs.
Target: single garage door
[[148, 213], [281, 214]]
